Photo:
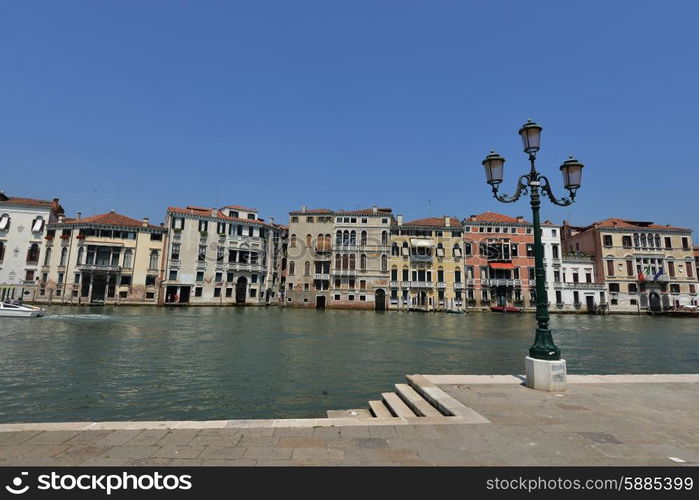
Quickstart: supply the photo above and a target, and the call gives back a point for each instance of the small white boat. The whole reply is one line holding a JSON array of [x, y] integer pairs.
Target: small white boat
[[9, 310]]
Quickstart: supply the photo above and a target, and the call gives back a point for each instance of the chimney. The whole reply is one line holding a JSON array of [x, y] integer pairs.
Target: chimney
[[520, 218], [447, 221], [375, 210], [145, 221], [472, 218], [111, 211], [400, 219], [79, 215]]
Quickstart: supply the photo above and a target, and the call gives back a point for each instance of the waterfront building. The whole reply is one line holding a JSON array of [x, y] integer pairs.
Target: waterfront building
[[23, 223], [221, 256], [499, 261], [570, 278], [338, 259], [645, 266], [426, 264], [103, 259]]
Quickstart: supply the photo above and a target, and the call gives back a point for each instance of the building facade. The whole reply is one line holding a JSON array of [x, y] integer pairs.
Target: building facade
[[23, 224], [103, 259], [499, 261], [338, 259], [221, 256], [644, 266], [427, 265], [570, 279]]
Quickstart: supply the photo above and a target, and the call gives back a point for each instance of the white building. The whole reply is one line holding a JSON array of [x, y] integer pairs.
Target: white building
[[221, 257], [570, 279], [23, 224]]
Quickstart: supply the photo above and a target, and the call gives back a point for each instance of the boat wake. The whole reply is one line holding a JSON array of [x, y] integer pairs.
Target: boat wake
[[79, 316]]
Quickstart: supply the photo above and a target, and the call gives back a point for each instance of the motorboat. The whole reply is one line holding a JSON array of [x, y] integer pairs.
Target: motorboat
[[10, 310], [506, 309]]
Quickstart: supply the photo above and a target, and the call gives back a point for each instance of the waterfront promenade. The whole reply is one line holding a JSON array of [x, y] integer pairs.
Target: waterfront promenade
[[599, 420]]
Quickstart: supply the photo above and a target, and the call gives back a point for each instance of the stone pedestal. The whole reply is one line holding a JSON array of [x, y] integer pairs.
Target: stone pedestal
[[545, 375]]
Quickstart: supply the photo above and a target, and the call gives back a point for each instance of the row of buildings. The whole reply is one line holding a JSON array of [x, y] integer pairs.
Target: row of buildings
[[362, 259]]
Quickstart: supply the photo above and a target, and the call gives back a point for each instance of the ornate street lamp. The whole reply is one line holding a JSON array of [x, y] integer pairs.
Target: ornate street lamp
[[546, 376]]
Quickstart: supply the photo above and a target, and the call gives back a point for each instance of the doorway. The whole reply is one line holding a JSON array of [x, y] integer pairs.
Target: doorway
[[320, 302], [241, 290], [654, 300], [590, 301], [380, 299]]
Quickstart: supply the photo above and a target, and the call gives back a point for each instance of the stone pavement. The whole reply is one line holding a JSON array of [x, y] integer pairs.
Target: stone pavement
[[614, 420]]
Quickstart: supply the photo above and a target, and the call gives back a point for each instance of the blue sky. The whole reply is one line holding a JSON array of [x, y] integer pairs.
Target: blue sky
[[135, 106]]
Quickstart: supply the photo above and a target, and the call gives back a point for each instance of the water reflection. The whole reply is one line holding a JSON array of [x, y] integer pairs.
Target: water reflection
[[132, 363]]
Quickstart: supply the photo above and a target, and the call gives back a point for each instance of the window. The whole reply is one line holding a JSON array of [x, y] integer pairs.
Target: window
[[457, 276], [610, 268], [307, 268], [2, 251], [125, 281], [128, 257], [440, 250], [156, 236], [384, 263], [218, 277], [674, 288], [394, 250], [467, 249], [576, 298], [177, 223], [33, 254], [614, 287], [668, 242], [203, 226], [633, 288], [629, 268], [362, 262], [60, 277], [363, 238], [384, 238], [172, 276], [292, 241], [671, 269], [4, 222], [153, 261], [150, 279], [685, 243], [530, 250], [309, 240], [217, 292], [689, 270], [607, 240], [175, 253], [626, 241], [309, 220], [292, 267], [47, 257], [554, 250], [559, 299], [197, 291], [557, 276], [201, 255]]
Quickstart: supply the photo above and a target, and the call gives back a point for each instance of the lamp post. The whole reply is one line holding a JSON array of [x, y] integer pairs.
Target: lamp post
[[545, 368]]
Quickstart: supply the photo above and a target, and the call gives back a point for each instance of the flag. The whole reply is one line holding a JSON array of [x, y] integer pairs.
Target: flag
[[658, 274]]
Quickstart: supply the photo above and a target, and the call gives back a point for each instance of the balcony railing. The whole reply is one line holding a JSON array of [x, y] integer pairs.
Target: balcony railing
[[501, 282], [420, 258], [321, 276], [99, 267], [243, 266], [344, 272], [441, 285], [589, 286], [394, 284], [421, 284], [458, 286]]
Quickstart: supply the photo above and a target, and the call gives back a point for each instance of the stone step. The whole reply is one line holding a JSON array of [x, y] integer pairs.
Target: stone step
[[353, 413], [379, 409], [443, 401], [421, 407], [396, 405]]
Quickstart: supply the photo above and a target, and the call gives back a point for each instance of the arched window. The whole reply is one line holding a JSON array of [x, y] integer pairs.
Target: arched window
[[394, 249], [153, 263], [635, 240], [33, 253], [345, 237], [128, 259], [467, 249], [457, 250], [362, 262], [309, 239], [440, 250], [363, 238], [64, 256], [4, 222], [384, 263], [292, 242], [345, 262], [406, 273], [292, 267], [352, 261], [338, 238], [650, 240], [384, 238], [307, 268], [405, 250], [657, 241], [81, 251], [353, 237], [643, 240], [47, 257], [338, 261]]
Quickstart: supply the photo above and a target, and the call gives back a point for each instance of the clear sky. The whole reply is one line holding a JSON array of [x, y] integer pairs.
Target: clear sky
[[137, 105]]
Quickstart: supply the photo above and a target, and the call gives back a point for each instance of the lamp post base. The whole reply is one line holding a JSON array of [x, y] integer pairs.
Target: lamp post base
[[543, 375]]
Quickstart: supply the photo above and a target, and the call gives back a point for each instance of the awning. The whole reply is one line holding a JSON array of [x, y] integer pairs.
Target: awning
[[501, 265], [421, 243]]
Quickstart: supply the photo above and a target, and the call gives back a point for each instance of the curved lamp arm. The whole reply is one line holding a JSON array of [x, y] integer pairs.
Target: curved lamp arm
[[546, 188], [522, 186]]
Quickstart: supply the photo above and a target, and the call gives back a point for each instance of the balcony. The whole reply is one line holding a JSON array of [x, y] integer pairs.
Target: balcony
[[99, 267], [501, 282], [344, 272], [421, 284], [244, 266], [586, 286], [323, 247], [321, 276], [458, 286], [175, 264], [441, 285], [420, 258], [394, 284], [470, 281]]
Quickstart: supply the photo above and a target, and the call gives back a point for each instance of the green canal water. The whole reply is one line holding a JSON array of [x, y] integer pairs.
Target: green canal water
[[141, 363]]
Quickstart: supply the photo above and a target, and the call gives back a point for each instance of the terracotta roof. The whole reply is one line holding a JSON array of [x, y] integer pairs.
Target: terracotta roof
[[313, 211], [32, 202], [367, 211], [208, 212], [631, 224], [434, 221], [494, 217], [108, 219], [238, 207]]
